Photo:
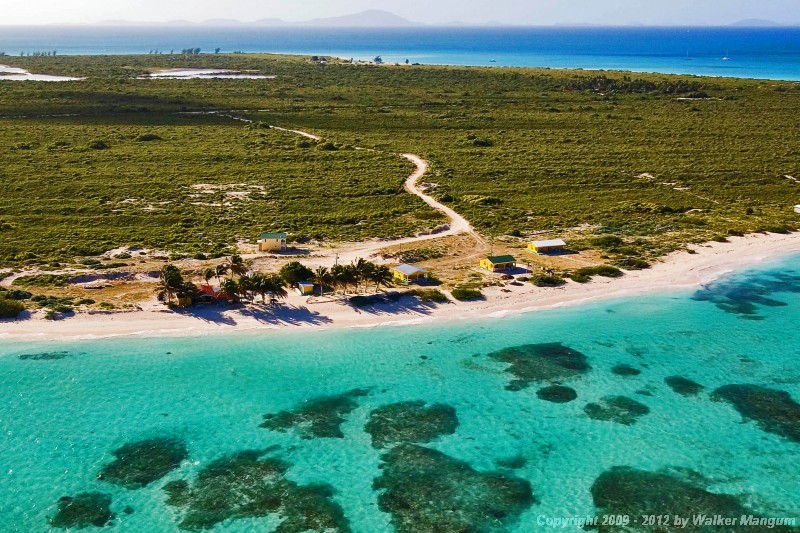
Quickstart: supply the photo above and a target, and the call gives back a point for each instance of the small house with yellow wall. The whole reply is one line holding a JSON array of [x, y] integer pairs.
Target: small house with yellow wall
[[498, 263], [406, 274], [305, 288], [553, 246], [272, 242]]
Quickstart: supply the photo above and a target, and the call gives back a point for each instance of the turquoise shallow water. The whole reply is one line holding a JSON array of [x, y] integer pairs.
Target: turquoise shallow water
[[61, 419]]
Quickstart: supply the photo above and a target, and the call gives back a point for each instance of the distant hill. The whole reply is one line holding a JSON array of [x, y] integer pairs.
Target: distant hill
[[370, 18], [755, 23]]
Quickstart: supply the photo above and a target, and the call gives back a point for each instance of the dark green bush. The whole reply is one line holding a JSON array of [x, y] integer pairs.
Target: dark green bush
[[10, 308], [466, 293], [547, 280]]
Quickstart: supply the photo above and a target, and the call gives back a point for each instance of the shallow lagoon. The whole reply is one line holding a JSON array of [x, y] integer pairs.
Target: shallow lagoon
[[64, 418]]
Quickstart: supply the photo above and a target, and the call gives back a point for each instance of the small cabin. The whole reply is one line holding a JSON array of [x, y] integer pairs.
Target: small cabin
[[498, 263], [554, 246], [305, 288], [406, 274], [184, 300], [272, 242]]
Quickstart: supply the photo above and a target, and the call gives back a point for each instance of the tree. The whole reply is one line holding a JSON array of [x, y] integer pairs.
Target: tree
[[216, 50], [322, 277], [231, 289], [382, 275], [337, 276], [276, 286], [295, 272], [220, 270], [208, 274], [361, 270], [260, 285], [236, 265], [378, 60], [247, 286], [170, 281]]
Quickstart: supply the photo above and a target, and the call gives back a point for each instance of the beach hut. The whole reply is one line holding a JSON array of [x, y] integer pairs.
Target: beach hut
[[305, 288], [553, 246], [184, 300], [406, 274], [498, 263], [272, 242]]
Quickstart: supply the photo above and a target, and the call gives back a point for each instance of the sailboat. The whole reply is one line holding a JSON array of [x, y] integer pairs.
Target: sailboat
[[726, 58]]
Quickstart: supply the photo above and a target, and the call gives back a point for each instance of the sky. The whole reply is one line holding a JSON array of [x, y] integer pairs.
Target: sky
[[530, 12]]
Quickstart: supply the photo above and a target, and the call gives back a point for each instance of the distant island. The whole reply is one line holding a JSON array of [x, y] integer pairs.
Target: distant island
[[365, 19], [376, 18]]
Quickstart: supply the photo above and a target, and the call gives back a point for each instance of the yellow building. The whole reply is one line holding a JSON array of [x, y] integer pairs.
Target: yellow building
[[498, 263], [406, 274], [305, 288], [553, 246], [272, 242]]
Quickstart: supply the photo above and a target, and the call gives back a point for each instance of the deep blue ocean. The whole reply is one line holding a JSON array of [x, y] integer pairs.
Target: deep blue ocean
[[769, 53]]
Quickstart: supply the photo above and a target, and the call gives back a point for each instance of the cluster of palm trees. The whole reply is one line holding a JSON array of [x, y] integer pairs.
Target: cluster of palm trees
[[246, 284], [357, 274], [237, 282]]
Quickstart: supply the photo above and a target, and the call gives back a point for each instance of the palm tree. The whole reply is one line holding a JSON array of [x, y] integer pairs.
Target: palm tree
[[236, 265], [360, 269], [276, 286], [219, 271], [260, 286], [247, 286], [231, 289], [208, 274], [338, 276], [381, 275], [322, 277], [170, 281]]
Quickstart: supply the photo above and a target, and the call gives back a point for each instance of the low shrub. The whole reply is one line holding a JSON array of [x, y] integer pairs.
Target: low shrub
[[429, 295], [18, 295], [632, 263], [466, 293], [42, 280], [10, 308], [547, 280]]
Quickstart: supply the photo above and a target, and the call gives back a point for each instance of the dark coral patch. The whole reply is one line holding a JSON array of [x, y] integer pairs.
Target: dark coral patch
[[244, 485], [44, 356], [428, 491], [320, 417], [619, 409], [541, 363], [743, 297], [772, 410], [410, 422], [624, 491], [512, 462], [626, 370], [683, 386], [557, 394], [84, 510], [138, 464]]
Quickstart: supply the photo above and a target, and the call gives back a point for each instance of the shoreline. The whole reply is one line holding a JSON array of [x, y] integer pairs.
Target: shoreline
[[678, 271]]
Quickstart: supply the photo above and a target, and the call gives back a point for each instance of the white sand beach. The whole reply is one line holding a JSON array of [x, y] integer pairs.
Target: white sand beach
[[680, 270]]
